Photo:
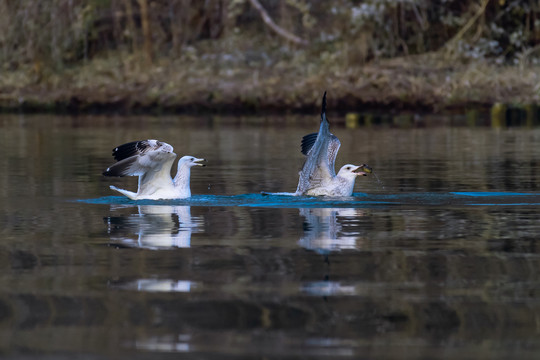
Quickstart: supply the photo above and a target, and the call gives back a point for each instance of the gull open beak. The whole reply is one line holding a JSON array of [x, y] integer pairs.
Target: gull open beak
[[197, 161], [363, 170]]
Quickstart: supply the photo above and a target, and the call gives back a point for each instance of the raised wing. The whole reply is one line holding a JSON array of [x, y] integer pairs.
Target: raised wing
[[332, 150], [138, 158], [307, 142], [333, 147], [321, 150], [319, 168], [139, 147]]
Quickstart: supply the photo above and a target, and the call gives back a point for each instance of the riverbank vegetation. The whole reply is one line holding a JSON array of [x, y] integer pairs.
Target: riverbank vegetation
[[272, 55]]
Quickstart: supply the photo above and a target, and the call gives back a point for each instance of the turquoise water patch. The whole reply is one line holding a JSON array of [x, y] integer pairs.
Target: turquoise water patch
[[506, 204], [251, 200], [488, 193], [358, 200]]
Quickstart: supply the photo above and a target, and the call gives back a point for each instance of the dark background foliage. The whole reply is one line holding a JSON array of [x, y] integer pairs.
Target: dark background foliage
[[61, 32]]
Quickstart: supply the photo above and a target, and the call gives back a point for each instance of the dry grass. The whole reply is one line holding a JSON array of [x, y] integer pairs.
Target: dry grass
[[213, 78]]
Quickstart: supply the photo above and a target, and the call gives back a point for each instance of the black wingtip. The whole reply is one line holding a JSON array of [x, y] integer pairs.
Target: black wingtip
[[116, 170], [307, 143], [323, 108], [126, 150]]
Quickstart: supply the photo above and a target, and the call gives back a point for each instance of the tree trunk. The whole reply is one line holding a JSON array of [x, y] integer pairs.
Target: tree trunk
[[147, 36]]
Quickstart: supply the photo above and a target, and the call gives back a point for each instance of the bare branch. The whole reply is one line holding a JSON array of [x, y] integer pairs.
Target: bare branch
[[280, 31], [452, 42]]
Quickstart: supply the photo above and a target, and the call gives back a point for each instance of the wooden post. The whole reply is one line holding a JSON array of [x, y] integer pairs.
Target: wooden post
[[352, 120], [531, 115], [498, 115]]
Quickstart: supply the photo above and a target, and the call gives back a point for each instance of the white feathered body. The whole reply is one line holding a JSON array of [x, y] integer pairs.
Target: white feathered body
[[337, 186], [151, 161]]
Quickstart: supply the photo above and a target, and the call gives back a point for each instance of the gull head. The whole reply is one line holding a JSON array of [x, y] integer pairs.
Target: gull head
[[350, 171], [190, 161]]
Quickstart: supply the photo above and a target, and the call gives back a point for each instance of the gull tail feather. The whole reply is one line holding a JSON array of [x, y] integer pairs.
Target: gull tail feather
[[280, 193], [129, 194]]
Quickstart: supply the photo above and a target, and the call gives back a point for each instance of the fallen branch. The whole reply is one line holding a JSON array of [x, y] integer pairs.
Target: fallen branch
[[280, 31]]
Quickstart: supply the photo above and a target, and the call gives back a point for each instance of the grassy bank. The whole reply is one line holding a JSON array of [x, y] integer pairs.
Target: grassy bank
[[212, 82]]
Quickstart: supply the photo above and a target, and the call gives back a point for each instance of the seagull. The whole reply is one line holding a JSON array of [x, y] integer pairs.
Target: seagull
[[152, 160], [318, 176]]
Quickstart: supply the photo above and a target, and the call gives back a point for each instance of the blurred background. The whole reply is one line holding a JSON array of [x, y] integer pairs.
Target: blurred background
[[252, 55]]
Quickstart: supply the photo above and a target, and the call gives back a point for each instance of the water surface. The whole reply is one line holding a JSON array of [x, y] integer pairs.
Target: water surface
[[438, 259]]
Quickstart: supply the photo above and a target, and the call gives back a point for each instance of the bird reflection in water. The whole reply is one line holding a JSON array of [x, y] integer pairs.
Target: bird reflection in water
[[325, 230], [328, 230], [153, 227], [157, 285]]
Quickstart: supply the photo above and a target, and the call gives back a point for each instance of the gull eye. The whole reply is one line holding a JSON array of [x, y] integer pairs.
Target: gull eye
[[348, 168]]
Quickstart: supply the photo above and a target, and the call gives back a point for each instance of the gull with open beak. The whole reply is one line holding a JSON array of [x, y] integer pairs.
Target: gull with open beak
[[318, 176], [151, 161]]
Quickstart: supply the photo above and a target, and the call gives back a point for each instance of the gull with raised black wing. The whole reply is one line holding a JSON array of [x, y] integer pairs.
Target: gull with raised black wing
[[318, 176], [151, 161]]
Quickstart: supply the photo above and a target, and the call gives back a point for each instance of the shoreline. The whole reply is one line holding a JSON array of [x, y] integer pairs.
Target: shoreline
[[393, 86]]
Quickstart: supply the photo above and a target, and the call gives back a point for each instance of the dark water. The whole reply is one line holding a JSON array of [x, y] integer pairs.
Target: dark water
[[438, 259]]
